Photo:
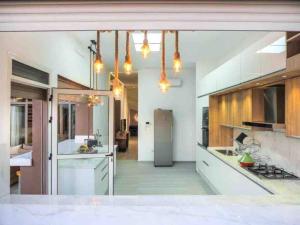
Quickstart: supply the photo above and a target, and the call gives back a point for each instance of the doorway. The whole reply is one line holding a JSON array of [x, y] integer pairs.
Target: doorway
[[127, 131], [28, 140], [82, 142]]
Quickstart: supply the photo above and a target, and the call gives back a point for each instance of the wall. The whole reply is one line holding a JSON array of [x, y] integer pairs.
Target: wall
[[181, 100], [282, 151], [53, 52]]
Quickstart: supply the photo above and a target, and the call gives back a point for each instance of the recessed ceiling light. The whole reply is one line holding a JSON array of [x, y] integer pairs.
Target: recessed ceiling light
[[257, 83], [277, 46], [154, 40], [284, 76]]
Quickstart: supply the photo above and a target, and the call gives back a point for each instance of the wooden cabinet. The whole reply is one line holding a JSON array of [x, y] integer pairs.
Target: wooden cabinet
[[246, 105], [292, 107], [236, 103]]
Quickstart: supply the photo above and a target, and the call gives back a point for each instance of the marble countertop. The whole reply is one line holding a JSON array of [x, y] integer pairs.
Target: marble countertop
[[149, 210], [279, 186]]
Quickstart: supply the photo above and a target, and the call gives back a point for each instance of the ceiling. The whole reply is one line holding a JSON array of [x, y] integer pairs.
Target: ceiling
[[208, 47]]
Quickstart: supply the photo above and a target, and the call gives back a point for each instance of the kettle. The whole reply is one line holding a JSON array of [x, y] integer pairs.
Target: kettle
[[246, 160]]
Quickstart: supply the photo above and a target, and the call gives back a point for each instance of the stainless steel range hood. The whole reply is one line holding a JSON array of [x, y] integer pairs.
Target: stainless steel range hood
[[274, 109]]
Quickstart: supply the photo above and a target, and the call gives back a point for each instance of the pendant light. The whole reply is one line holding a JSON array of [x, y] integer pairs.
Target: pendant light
[[177, 65], [145, 48], [98, 64], [117, 87], [127, 63], [163, 82]]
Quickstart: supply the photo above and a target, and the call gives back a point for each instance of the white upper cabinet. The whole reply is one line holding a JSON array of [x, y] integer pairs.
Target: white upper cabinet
[[229, 74], [250, 63], [273, 54], [266, 55], [208, 84]]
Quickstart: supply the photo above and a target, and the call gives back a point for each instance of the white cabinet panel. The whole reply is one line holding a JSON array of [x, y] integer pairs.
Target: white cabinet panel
[[250, 63], [208, 84], [225, 179], [275, 59], [265, 56], [229, 74]]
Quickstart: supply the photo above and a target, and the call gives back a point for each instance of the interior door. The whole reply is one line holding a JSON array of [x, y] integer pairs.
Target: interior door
[[82, 142]]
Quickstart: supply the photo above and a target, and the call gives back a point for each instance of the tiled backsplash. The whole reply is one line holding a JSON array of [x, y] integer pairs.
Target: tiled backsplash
[[282, 151]]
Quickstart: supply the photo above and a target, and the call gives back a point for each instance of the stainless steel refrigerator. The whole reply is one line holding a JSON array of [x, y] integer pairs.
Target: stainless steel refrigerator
[[163, 137]]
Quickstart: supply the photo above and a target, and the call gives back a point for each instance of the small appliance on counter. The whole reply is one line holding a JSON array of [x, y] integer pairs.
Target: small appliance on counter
[[246, 160]]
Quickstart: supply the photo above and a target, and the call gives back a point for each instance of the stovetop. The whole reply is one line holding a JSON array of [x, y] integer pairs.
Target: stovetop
[[271, 172]]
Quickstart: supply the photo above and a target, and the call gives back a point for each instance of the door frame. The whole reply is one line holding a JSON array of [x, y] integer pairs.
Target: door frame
[[169, 15], [55, 157]]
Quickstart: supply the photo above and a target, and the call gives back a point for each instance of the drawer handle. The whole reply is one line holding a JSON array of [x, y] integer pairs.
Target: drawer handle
[[104, 167], [105, 175], [205, 163]]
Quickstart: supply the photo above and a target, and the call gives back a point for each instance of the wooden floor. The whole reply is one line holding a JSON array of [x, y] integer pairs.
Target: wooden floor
[[142, 178], [132, 151]]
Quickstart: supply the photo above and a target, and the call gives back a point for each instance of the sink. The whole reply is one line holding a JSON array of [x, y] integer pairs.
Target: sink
[[22, 159], [227, 152]]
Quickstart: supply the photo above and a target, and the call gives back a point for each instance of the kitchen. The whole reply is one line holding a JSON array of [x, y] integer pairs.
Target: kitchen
[[249, 122], [228, 90]]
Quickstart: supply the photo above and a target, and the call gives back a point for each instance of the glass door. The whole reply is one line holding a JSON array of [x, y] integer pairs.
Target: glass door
[[82, 142]]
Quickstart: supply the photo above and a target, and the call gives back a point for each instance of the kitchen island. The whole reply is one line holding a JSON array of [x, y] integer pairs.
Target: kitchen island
[[150, 210]]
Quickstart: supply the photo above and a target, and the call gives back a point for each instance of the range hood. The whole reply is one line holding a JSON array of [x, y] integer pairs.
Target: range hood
[[274, 109]]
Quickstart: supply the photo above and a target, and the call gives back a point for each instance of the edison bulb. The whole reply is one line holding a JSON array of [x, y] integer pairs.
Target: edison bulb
[[177, 65], [117, 88], [127, 65], [98, 65], [145, 49], [164, 85]]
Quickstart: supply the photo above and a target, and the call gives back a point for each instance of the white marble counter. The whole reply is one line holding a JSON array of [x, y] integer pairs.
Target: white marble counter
[[149, 210], [24, 158], [280, 186]]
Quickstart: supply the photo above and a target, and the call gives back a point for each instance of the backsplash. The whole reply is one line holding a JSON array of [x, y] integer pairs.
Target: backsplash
[[283, 151]]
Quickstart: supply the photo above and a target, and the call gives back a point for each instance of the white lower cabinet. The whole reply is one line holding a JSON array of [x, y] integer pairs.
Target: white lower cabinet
[[83, 176], [223, 178]]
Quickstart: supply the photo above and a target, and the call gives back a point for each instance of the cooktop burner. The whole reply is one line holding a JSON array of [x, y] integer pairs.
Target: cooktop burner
[[271, 172]]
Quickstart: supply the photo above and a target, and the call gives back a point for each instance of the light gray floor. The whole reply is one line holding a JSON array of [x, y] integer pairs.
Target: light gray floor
[[142, 178]]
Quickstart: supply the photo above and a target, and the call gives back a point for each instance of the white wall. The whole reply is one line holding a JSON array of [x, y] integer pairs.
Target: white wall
[[179, 99], [53, 52]]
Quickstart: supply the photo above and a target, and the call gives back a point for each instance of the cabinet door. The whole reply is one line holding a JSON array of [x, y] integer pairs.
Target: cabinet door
[[229, 74], [208, 84], [229, 120], [236, 109], [230, 182], [292, 107], [246, 114], [250, 63], [273, 56], [223, 110]]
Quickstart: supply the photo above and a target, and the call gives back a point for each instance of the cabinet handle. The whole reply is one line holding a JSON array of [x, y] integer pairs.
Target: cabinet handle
[[205, 163], [104, 167], [104, 176]]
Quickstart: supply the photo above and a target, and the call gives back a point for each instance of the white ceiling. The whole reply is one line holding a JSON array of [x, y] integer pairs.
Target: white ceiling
[[211, 48]]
